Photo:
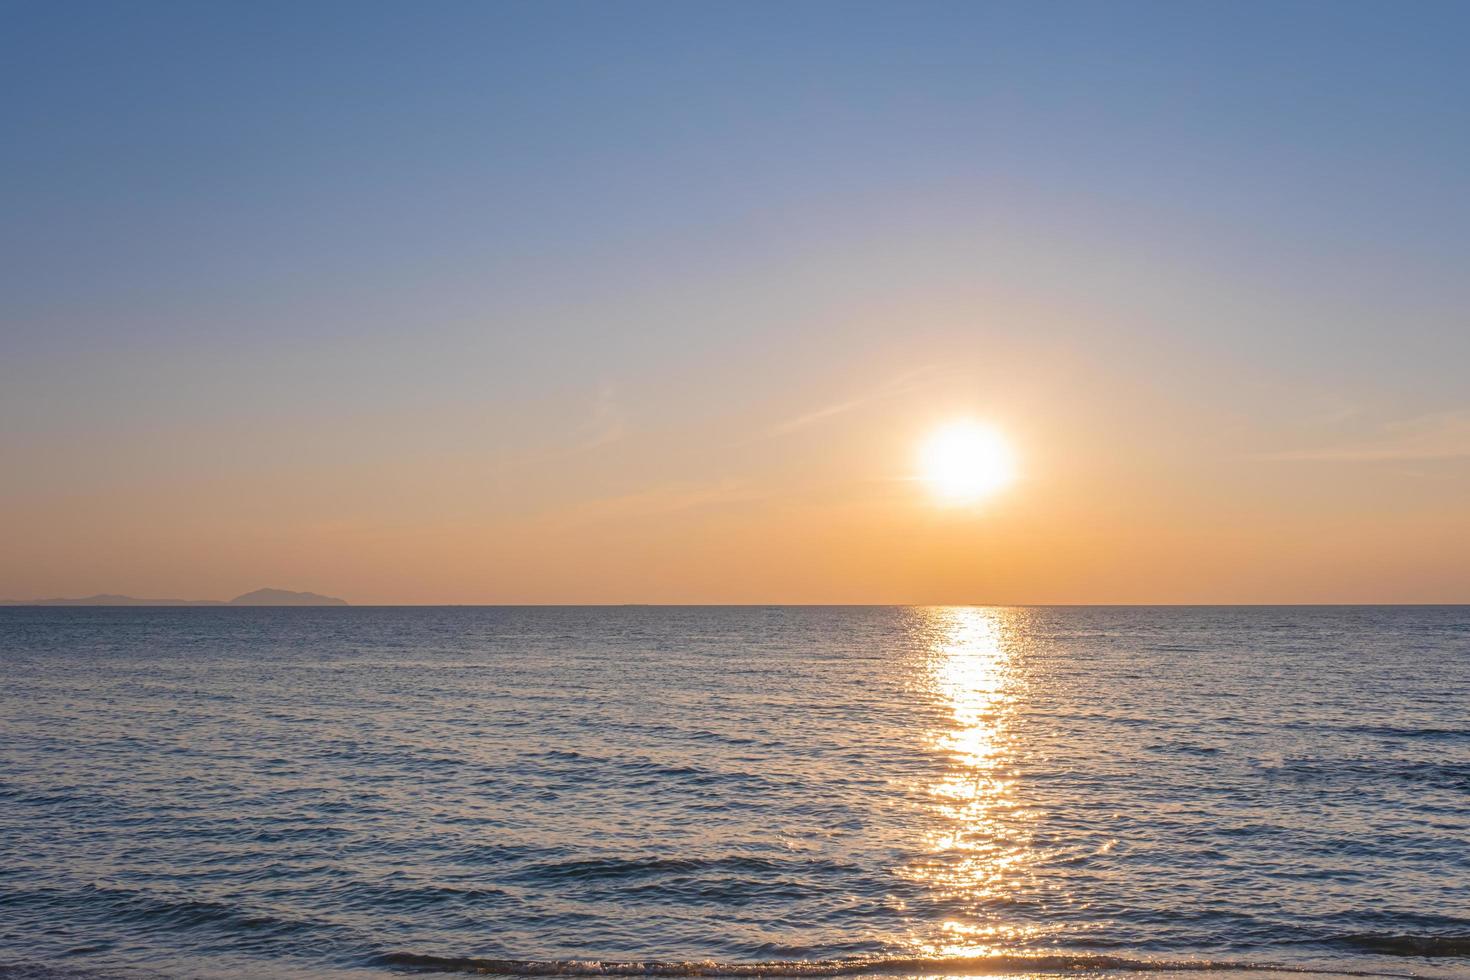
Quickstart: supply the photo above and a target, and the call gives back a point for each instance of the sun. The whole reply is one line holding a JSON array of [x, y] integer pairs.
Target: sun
[[966, 461]]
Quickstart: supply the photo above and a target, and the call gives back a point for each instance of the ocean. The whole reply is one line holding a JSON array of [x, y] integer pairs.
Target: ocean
[[364, 792]]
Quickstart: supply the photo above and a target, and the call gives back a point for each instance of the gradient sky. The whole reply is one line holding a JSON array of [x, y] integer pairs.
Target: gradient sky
[[605, 302]]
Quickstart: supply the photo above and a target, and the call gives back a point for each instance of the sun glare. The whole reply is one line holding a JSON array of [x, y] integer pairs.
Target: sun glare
[[965, 461]]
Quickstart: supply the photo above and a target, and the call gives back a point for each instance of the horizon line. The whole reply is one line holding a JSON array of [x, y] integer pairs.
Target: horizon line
[[214, 605]]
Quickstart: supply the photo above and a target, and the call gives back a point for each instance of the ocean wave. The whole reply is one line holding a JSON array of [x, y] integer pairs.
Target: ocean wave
[[1439, 775], [1384, 731], [1390, 731], [635, 868], [1406, 945], [170, 912], [875, 966], [46, 971]]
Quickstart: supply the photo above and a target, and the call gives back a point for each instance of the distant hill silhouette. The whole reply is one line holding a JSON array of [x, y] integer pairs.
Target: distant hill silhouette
[[284, 597], [260, 597]]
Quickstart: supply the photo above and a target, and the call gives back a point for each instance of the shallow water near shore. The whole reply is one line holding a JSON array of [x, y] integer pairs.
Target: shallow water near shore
[[741, 791]]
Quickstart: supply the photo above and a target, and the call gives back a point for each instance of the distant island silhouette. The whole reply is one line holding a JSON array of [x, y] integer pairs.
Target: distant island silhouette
[[260, 597]]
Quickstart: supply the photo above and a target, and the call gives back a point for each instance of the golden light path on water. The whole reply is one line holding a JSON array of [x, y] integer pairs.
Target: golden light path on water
[[979, 849]]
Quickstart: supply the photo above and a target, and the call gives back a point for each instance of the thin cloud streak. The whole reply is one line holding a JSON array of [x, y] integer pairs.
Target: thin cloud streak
[[903, 384], [607, 424], [1443, 435]]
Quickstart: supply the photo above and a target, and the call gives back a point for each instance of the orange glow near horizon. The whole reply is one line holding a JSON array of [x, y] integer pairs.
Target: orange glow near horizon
[[1075, 495]]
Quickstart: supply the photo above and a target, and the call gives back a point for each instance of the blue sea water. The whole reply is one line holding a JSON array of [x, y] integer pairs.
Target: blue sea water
[[733, 791]]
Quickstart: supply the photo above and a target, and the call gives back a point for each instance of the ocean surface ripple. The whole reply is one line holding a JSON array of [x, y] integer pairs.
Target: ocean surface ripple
[[747, 791]]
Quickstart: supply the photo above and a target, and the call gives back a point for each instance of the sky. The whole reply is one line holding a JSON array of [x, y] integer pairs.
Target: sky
[[656, 302]]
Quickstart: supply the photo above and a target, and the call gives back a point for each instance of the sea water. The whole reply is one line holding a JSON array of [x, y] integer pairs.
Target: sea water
[[262, 792]]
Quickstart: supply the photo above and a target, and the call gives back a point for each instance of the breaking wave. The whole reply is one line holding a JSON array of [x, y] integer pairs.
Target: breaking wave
[[877, 966]]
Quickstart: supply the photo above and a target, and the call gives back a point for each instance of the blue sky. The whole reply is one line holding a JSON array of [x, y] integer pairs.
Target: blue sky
[[534, 227]]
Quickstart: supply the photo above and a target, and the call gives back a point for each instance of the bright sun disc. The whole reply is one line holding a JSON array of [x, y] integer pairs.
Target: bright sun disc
[[966, 461]]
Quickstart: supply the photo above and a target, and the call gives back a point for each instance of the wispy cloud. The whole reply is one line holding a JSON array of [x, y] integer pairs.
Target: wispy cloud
[[607, 423], [904, 383], [1442, 435], [603, 423]]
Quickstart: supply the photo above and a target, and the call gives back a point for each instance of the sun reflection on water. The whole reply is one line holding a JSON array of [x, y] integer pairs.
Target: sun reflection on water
[[979, 849]]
